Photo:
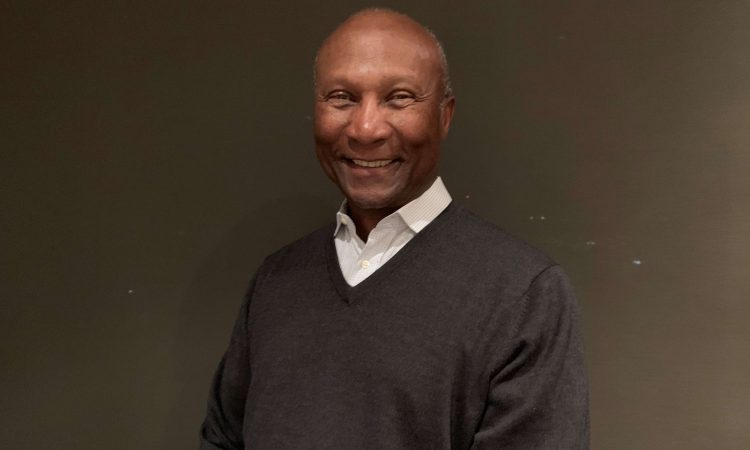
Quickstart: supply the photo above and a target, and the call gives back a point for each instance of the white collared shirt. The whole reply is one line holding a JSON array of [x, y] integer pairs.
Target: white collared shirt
[[359, 260]]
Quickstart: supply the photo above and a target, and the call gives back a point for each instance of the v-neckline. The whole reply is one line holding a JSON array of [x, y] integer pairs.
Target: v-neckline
[[350, 293]]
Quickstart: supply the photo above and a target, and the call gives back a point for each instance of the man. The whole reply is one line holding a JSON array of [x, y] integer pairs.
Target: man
[[409, 323]]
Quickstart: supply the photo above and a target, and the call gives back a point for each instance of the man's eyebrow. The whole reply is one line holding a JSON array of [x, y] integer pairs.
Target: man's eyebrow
[[402, 80]]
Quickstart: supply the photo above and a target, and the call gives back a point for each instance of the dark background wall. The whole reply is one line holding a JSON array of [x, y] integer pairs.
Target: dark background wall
[[154, 152]]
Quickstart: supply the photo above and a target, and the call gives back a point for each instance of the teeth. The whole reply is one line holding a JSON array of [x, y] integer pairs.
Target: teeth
[[363, 163]]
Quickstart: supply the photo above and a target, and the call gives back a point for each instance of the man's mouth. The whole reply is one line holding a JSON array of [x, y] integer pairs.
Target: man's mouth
[[377, 163]]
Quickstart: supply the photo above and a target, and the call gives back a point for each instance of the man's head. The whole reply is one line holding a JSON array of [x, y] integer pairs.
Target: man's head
[[383, 107]]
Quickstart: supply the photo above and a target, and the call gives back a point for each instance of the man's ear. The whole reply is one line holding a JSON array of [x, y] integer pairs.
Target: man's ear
[[446, 115]]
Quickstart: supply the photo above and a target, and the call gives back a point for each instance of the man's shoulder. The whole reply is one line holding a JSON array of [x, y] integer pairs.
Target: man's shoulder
[[478, 243], [481, 235], [307, 249]]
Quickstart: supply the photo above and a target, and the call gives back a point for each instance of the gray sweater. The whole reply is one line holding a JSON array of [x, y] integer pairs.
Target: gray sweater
[[466, 338]]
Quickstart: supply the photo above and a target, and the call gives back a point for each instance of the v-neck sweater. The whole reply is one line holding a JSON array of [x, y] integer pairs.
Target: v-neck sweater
[[466, 338], [359, 260]]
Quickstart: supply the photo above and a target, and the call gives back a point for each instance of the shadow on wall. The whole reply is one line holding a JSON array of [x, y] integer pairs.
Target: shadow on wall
[[214, 297]]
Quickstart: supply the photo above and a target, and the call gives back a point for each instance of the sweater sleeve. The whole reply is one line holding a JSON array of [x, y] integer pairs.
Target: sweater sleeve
[[538, 390], [222, 427]]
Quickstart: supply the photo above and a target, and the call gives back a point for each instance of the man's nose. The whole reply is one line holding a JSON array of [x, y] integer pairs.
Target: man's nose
[[369, 122]]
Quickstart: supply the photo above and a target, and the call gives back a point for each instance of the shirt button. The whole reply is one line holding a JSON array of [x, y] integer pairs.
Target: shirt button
[[364, 264]]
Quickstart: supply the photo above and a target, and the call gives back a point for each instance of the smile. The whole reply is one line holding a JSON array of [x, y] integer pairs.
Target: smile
[[379, 163]]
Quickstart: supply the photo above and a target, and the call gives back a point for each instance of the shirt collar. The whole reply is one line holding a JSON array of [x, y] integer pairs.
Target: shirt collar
[[416, 214]]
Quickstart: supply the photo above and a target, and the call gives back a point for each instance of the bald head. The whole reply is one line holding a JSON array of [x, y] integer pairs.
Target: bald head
[[394, 24], [382, 110]]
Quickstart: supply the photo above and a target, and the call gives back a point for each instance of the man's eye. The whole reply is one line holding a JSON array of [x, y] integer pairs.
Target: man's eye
[[401, 99], [340, 99]]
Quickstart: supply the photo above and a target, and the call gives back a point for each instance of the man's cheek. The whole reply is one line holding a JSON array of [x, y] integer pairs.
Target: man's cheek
[[328, 131]]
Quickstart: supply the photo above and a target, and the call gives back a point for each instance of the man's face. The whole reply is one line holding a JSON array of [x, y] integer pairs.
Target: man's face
[[380, 114]]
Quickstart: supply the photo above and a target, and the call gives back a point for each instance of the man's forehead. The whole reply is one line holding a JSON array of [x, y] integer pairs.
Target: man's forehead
[[379, 28], [365, 79], [366, 44], [386, 39], [371, 63]]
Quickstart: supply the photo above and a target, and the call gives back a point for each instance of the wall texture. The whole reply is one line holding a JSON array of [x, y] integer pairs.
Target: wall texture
[[152, 153]]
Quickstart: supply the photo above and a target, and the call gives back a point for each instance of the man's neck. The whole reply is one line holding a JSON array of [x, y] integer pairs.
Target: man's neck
[[366, 219]]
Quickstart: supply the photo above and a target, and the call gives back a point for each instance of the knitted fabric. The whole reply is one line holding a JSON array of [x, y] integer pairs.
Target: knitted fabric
[[466, 338]]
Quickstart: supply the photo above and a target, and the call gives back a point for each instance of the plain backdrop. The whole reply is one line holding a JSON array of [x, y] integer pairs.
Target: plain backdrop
[[152, 153]]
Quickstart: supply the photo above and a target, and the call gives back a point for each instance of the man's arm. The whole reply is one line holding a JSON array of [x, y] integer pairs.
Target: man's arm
[[538, 393], [222, 427]]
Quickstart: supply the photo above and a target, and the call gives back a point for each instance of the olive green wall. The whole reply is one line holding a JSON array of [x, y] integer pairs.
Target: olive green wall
[[153, 152]]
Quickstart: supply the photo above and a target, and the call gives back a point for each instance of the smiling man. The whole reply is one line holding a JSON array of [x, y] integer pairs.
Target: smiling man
[[409, 322], [383, 108]]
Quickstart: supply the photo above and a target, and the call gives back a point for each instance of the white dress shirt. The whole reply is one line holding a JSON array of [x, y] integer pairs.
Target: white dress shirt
[[359, 260]]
